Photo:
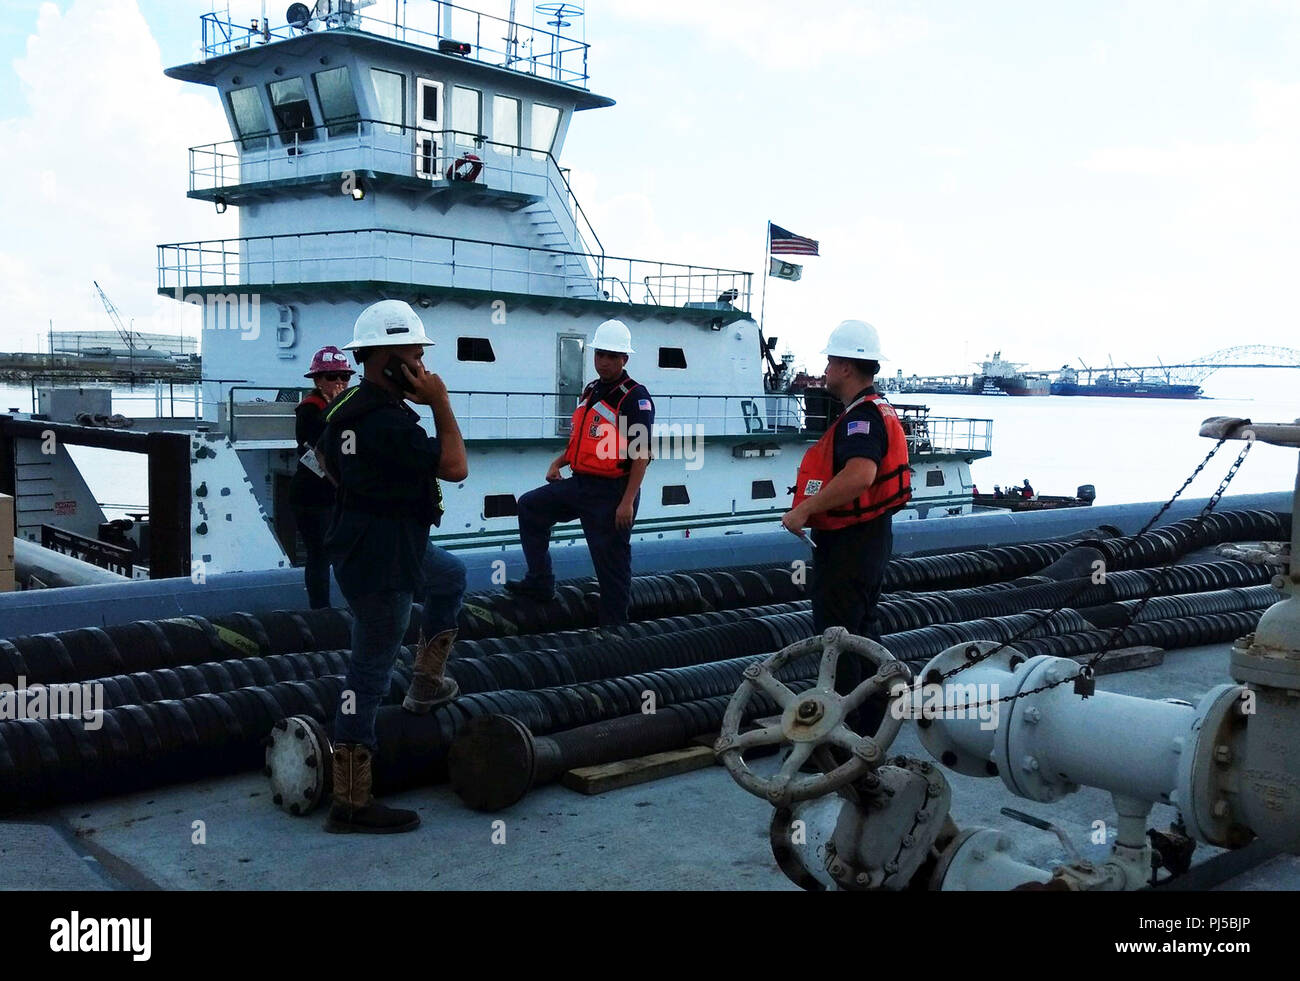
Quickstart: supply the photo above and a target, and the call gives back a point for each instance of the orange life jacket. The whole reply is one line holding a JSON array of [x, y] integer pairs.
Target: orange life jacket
[[596, 445], [891, 490]]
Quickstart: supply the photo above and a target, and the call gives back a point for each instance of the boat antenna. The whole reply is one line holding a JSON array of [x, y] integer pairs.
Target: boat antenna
[[512, 38]]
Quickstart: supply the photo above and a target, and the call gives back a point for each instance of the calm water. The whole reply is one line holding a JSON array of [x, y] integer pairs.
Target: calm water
[[1130, 449]]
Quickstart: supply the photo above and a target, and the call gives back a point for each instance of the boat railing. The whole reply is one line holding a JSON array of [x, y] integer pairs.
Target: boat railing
[[262, 412], [493, 40], [537, 415], [547, 415], [438, 261], [360, 146], [948, 434]]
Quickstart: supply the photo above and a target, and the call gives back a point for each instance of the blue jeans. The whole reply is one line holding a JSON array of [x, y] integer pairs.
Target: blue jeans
[[378, 626]]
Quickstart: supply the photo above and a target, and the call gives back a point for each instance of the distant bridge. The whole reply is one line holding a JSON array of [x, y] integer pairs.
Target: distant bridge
[[1195, 372]]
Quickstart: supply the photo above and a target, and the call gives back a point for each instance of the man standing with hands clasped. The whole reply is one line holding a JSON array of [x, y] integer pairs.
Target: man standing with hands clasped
[[849, 485], [608, 453]]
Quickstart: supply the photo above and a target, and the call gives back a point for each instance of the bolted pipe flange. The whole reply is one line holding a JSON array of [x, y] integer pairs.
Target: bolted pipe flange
[[299, 758]]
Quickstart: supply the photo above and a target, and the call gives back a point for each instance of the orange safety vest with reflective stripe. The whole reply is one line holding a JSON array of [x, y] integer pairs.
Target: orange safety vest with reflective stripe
[[891, 490], [597, 447]]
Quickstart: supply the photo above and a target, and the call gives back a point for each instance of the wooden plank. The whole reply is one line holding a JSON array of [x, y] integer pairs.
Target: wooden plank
[[1126, 659], [628, 773]]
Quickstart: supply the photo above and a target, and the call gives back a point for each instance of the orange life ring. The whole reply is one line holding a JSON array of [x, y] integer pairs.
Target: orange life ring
[[467, 168]]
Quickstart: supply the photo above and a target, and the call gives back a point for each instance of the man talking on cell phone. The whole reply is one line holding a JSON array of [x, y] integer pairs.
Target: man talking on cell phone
[[387, 470]]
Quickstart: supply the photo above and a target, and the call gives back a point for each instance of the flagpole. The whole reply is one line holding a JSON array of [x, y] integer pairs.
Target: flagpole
[[767, 264]]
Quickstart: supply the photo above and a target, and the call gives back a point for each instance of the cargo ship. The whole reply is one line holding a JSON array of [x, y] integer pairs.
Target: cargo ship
[[1113, 385], [999, 377]]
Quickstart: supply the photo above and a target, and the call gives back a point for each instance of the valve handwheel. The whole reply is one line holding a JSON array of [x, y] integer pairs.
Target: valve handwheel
[[811, 719]]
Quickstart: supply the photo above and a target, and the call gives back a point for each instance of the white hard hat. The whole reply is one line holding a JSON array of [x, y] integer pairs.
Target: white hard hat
[[388, 322], [855, 339], [613, 335]]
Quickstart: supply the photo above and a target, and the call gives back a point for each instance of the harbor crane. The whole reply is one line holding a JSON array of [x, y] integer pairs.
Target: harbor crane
[[128, 337]]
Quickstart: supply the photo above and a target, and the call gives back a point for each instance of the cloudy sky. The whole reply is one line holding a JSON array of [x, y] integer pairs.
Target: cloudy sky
[[1059, 180]]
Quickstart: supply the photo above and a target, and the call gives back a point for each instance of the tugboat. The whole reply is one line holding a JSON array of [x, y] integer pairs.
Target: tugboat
[[373, 158]]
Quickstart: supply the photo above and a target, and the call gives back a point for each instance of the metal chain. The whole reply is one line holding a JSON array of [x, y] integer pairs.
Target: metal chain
[[1118, 631], [1087, 584]]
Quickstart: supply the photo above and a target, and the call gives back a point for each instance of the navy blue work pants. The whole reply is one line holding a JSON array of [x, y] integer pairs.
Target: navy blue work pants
[[594, 501], [847, 575], [312, 525]]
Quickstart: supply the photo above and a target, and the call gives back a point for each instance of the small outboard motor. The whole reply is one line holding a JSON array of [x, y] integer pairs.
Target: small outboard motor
[[1086, 492]]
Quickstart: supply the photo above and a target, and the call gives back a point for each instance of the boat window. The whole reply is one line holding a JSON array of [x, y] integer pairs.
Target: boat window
[[934, 478], [546, 120], [500, 506], [672, 357], [292, 111], [338, 103], [474, 349], [762, 489], [676, 494], [429, 109], [250, 118], [466, 114], [390, 98], [505, 123]]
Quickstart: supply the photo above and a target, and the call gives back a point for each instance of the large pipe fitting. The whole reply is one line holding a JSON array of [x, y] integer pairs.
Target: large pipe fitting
[[1243, 777], [1228, 764], [1035, 739]]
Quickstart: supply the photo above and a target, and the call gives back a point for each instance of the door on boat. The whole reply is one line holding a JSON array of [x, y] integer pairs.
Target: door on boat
[[428, 121], [570, 367]]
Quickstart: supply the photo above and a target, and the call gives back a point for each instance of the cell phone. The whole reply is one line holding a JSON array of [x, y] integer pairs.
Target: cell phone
[[394, 373]]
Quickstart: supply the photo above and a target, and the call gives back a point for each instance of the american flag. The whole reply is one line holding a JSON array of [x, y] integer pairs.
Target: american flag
[[784, 242]]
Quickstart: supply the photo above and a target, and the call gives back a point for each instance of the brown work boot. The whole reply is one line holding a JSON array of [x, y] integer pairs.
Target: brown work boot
[[354, 808], [429, 687]]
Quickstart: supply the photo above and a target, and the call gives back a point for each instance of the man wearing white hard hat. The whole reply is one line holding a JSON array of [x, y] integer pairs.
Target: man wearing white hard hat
[[608, 462], [848, 487], [387, 470]]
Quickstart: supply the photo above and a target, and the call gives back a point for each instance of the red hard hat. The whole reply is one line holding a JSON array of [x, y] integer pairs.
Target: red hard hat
[[329, 359]]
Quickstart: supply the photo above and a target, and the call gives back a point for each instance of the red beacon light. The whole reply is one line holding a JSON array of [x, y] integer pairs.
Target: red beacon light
[[454, 47]]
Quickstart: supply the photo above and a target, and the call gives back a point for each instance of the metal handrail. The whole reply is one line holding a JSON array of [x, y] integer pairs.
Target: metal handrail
[[697, 285], [541, 415], [300, 153], [626, 292], [221, 36]]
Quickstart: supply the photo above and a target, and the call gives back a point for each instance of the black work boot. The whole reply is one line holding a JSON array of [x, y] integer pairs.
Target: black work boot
[[354, 808], [535, 589]]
